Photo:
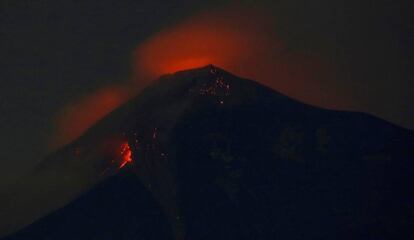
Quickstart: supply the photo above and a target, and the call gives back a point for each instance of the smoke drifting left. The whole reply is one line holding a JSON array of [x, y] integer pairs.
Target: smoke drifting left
[[242, 41], [75, 118]]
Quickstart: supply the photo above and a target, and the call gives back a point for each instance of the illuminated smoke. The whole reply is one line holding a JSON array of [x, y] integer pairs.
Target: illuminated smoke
[[244, 42], [215, 38], [74, 119]]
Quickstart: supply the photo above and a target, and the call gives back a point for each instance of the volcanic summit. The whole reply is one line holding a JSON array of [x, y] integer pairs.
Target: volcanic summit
[[204, 154]]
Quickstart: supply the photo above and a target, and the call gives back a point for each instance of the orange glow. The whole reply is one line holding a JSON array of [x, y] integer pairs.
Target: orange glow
[[118, 151], [126, 155], [207, 38], [187, 64], [244, 42], [76, 118]]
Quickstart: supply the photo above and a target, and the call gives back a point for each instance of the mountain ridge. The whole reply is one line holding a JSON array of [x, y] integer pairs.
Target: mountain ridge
[[226, 158]]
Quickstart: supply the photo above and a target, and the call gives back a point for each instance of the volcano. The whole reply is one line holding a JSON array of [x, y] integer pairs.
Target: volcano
[[204, 154]]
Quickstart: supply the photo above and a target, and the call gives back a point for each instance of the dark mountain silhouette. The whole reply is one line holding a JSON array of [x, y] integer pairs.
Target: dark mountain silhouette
[[215, 156]]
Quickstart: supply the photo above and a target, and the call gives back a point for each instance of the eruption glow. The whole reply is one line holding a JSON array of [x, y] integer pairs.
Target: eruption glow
[[120, 152], [126, 154], [241, 41], [74, 119], [244, 42], [211, 38]]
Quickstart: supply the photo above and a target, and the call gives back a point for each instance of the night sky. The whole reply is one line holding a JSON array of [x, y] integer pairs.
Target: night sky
[[55, 52]]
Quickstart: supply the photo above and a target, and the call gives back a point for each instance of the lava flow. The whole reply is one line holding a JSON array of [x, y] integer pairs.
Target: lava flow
[[126, 155]]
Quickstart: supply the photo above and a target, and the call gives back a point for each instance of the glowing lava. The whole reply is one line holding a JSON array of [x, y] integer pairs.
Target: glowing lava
[[126, 155]]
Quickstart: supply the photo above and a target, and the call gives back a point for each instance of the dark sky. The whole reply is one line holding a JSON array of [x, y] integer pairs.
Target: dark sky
[[55, 51]]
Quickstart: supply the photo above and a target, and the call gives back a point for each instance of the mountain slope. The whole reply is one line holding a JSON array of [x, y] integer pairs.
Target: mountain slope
[[106, 212], [215, 156]]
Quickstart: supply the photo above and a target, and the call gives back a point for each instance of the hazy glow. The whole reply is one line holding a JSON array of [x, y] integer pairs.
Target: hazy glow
[[226, 39], [244, 42], [74, 119]]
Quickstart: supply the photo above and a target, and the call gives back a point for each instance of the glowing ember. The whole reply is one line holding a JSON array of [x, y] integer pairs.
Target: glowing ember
[[217, 87], [126, 155]]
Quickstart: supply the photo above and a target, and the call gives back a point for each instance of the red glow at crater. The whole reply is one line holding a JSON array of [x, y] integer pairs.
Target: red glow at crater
[[210, 38], [245, 42]]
